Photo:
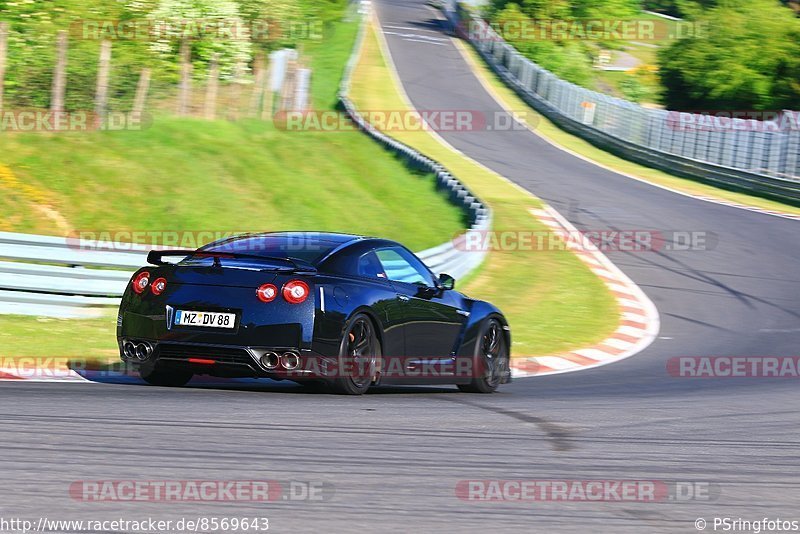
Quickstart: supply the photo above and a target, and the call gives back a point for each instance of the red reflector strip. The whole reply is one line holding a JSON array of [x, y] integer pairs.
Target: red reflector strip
[[201, 361]]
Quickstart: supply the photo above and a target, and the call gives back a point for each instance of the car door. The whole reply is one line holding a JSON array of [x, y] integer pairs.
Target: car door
[[432, 321]]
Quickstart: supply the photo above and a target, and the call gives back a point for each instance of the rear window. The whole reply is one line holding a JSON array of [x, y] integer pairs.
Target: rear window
[[307, 247]]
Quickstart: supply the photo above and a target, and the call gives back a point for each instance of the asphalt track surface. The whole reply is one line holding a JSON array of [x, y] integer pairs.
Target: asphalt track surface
[[394, 457]]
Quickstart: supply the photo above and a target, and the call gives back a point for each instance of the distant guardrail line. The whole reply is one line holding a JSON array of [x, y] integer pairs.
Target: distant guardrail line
[[755, 160], [445, 257]]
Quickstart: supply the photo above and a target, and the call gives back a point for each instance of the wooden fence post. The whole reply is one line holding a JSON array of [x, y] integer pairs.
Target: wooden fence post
[[60, 73], [3, 51], [141, 92], [213, 88], [101, 94], [235, 101], [257, 95], [266, 107], [186, 78]]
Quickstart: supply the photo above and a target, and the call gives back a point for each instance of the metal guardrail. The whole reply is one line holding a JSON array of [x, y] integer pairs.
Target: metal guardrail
[[67, 278], [758, 157], [70, 278]]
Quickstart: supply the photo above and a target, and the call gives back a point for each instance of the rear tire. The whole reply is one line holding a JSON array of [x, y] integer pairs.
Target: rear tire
[[164, 377], [359, 354], [491, 361]]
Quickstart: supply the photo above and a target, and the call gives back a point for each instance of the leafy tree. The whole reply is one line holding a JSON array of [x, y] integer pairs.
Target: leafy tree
[[632, 88], [234, 48], [748, 59], [568, 59], [605, 9]]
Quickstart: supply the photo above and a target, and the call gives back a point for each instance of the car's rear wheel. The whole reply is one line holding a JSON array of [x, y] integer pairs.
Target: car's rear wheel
[[157, 375], [359, 354], [491, 361]]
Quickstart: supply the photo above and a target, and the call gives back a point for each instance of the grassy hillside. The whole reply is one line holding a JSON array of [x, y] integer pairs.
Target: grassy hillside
[[182, 174]]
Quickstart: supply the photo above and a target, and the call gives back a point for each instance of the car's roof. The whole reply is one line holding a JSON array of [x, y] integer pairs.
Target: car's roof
[[308, 246], [322, 237]]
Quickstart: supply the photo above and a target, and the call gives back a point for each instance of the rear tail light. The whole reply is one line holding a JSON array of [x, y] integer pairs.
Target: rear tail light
[[140, 282], [296, 291], [158, 286], [267, 293]]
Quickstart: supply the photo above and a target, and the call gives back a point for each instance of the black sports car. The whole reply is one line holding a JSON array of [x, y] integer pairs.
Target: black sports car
[[339, 309]]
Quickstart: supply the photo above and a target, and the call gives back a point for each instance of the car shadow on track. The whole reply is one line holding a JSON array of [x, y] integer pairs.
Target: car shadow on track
[[117, 375]]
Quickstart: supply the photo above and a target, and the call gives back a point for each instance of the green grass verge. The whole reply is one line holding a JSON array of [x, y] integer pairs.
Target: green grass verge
[[559, 137], [62, 339], [553, 302]]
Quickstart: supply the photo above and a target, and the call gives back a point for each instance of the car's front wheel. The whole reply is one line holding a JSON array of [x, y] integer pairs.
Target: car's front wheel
[[156, 375], [359, 354], [491, 361]]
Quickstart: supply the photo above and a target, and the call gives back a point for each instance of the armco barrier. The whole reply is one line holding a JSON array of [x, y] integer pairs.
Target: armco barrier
[[748, 156], [71, 279]]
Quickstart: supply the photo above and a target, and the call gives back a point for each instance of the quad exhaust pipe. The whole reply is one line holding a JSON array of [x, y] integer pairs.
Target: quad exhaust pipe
[[141, 351], [288, 360], [270, 361]]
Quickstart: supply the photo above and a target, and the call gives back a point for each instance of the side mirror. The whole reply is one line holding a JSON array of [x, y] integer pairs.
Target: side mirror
[[446, 281]]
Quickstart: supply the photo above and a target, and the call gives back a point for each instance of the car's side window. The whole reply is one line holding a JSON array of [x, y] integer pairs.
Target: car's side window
[[401, 266], [370, 267]]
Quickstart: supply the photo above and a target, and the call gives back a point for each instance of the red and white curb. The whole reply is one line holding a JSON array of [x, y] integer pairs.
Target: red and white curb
[[638, 325], [56, 372]]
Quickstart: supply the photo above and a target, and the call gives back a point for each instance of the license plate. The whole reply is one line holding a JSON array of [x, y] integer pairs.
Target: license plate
[[208, 319]]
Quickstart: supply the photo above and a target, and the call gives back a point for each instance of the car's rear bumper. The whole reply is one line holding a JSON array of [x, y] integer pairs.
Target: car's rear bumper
[[226, 360]]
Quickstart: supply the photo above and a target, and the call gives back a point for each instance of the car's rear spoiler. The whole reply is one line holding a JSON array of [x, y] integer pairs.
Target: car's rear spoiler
[[156, 257]]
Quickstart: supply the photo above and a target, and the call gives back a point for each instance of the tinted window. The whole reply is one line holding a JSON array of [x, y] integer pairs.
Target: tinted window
[[401, 266], [309, 248], [370, 267]]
